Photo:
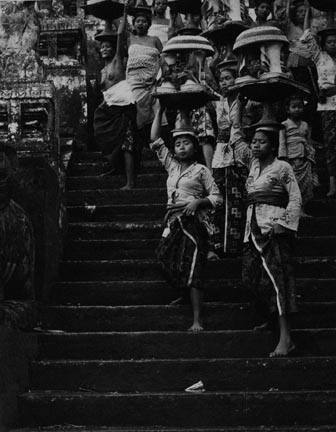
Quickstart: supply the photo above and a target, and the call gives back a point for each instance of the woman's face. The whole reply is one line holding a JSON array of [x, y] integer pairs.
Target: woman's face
[[141, 25], [300, 14], [262, 11], [330, 45], [160, 7], [261, 146], [184, 148], [107, 50], [226, 79]]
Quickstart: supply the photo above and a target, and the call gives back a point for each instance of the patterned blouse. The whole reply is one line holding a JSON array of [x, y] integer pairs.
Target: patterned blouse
[[295, 141], [278, 177], [196, 182]]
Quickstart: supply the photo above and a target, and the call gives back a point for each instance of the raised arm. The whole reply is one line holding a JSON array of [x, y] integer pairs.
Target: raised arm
[[122, 31], [157, 143], [156, 125]]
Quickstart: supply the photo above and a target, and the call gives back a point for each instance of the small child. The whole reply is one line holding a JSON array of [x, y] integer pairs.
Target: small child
[[295, 147]]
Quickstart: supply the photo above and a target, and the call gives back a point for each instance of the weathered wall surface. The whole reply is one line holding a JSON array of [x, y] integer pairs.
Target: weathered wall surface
[[17, 350]]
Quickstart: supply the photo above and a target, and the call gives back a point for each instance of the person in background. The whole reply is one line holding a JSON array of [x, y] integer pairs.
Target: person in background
[[263, 9], [296, 148], [228, 172], [272, 220], [192, 191], [160, 23], [326, 68], [115, 118], [143, 67]]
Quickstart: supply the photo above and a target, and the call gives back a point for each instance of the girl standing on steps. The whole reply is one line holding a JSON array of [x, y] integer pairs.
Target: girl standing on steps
[[191, 192], [115, 118], [273, 214]]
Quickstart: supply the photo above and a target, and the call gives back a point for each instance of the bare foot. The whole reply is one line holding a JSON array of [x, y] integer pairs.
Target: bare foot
[[127, 187], [212, 256], [196, 328], [283, 349], [331, 193]]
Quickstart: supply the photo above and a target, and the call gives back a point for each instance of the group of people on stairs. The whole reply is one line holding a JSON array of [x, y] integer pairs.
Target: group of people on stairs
[[238, 182]]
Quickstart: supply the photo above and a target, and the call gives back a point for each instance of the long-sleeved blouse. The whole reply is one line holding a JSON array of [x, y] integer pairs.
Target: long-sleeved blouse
[[196, 182], [276, 178]]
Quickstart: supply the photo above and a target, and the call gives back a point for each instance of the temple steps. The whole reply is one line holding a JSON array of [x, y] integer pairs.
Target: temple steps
[[119, 212], [152, 228], [169, 409], [179, 345], [97, 182], [128, 293], [62, 428], [132, 249], [96, 168], [114, 357], [145, 269], [218, 316], [132, 376]]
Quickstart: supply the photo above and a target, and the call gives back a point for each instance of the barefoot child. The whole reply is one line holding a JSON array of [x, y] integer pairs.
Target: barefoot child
[[296, 148], [191, 192]]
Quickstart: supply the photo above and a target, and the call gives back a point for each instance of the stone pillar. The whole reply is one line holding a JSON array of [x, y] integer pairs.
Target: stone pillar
[[29, 119], [62, 49]]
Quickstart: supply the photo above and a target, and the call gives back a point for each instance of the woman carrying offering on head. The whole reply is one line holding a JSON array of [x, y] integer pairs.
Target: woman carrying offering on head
[[192, 191], [115, 118], [143, 65], [160, 23], [272, 219]]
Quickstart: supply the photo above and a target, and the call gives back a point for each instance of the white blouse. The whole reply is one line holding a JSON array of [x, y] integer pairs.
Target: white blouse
[[196, 182]]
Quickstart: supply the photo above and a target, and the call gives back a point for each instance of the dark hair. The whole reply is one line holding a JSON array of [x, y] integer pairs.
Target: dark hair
[[293, 9], [198, 155], [145, 15], [324, 37], [273, 138], [294, 97]]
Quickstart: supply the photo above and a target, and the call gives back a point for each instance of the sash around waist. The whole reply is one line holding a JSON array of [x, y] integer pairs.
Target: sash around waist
[[270, 198]]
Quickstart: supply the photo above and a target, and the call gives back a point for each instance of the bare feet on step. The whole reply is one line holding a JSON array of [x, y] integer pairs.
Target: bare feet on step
[[284, 348], [196, 327], [127, 187], [212, 256]]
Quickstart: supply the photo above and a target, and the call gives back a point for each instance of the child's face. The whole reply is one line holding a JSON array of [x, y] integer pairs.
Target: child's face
[[184, 148], [300, 14], [330, 45], [295, 109], [226, 79], [262, 11]]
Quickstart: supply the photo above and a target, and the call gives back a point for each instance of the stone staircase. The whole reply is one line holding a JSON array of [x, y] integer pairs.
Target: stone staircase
[[115, 357]]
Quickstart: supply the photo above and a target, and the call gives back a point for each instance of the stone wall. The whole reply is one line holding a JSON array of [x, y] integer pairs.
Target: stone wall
[[17, 351]]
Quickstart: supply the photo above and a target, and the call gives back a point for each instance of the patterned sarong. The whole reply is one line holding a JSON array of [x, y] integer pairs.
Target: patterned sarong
[[268, 272], [182, 253]]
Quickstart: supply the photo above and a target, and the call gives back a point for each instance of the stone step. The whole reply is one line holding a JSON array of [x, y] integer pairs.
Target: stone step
[[174, 375], [151, 228], [217, 316], [132, 249], [308, 267], [128, 293], [116, 196], [109, 182], [63, 428], [177, 345], [97, 156], [115, 213], [169, 409], [94, 168]]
